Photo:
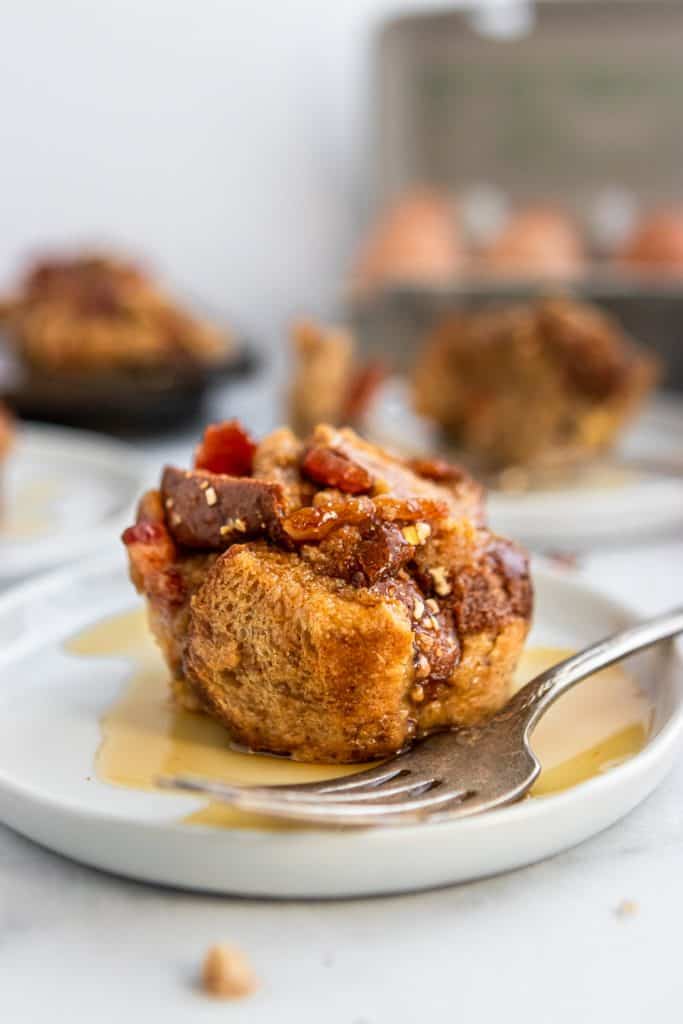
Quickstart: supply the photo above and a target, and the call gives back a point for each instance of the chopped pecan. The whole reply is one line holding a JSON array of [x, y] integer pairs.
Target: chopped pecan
[[438, 470], [332, 469]]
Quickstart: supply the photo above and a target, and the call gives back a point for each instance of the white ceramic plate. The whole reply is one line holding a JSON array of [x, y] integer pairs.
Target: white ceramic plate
[[601, 504], [65, 493], [51, 703]]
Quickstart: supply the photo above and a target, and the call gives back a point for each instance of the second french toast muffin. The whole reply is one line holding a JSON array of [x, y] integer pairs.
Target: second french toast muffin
[[94, 314], [325, 599], [548, 382]]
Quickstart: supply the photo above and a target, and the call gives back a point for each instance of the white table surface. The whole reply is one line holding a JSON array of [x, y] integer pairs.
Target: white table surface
[[77, 945]]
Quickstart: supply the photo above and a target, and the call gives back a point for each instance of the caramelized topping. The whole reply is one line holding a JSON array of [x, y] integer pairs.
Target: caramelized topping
[[382, 552], [351, 509], [401, 543], [310, 524], [409, 510], [226, 448], [332, 509], [334, 470]]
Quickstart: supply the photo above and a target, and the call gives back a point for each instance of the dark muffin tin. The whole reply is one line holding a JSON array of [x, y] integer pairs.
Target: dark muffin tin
[[133, 402]]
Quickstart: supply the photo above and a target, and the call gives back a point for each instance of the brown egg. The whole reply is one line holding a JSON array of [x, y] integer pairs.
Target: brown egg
[[417, 240], [539, 241], [656, 243]]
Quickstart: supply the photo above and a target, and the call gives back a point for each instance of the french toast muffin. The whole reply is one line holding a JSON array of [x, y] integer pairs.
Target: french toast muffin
[[96, 313], [325, 599], [548, 382], [7, 432], [329, 383]]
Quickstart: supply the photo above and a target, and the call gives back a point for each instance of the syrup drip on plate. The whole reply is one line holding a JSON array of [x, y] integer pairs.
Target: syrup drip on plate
[[594, 727]]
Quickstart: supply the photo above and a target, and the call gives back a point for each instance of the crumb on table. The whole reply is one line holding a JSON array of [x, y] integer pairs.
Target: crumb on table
[[227, 974], [627, 908], [563, 559]]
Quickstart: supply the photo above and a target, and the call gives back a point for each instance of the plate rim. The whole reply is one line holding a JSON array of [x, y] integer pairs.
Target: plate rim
[[108, 452]]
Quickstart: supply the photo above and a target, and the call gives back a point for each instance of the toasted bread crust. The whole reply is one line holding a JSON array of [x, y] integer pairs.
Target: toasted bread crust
[[338, 670]]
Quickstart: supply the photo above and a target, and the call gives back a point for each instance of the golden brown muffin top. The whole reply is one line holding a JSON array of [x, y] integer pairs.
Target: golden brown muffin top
[[98, 312]]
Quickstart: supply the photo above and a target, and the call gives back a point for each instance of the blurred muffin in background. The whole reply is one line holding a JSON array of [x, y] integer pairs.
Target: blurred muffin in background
[[322, 364], [538, 241], [7, 435], [542, 383], [328, 384], [93, 313], [656, 243], [7, 431], [417, 240]]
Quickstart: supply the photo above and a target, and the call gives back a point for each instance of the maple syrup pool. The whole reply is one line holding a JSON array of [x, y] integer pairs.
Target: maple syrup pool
[[599, 724]]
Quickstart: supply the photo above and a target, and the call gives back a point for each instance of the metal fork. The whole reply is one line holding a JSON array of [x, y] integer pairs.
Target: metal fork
[[448, 775]]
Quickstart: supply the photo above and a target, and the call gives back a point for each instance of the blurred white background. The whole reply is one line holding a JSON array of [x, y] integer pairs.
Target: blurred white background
[[226, 143]]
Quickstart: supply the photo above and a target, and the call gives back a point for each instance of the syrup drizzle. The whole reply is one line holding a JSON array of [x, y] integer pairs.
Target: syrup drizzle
[[599, 724]]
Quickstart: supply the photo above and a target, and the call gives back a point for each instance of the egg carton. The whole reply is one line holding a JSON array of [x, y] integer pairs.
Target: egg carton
[[576, 102]]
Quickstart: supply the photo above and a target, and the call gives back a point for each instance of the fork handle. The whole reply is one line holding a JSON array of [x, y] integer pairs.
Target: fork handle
[[537, 696]]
